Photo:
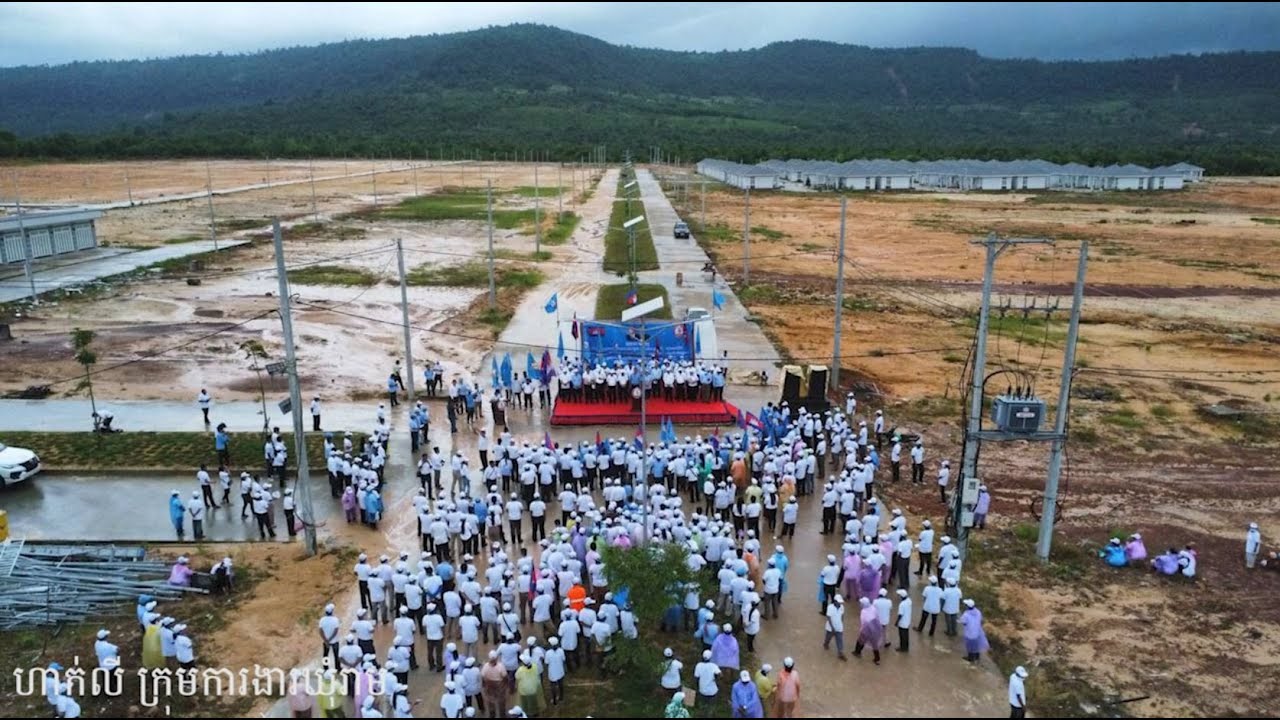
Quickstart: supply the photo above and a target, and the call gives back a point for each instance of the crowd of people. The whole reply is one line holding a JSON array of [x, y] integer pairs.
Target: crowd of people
[[617, 381]]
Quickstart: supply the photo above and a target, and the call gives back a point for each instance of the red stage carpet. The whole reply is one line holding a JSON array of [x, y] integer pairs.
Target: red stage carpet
[[680, 412]]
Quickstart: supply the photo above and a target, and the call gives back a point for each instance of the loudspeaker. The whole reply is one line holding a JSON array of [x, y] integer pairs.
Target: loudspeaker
[[791, 384], [817, 382]]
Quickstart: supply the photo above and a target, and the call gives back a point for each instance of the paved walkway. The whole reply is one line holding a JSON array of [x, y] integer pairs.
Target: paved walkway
[[100, 265], [75, 415], [749, 350]]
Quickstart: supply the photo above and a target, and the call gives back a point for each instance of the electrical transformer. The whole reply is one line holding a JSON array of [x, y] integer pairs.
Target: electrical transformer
[[1017, 414]]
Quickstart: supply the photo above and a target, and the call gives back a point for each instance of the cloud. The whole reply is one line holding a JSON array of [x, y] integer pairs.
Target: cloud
[[39, 33]]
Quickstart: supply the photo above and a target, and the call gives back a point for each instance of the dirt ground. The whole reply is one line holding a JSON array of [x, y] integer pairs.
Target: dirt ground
[[1182, 311], [356, 339]]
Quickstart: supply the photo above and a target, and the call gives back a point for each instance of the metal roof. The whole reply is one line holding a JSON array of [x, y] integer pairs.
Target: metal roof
[[37, 220]]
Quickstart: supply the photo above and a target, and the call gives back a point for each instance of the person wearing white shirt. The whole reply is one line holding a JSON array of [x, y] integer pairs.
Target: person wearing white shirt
[[328, 628], [671, 667], [67, 707], [924, 546], [107, 652], [930, 605], [1252, 545], [917, 463], [196, 509], [433, 630], [1018, 693], [452, 701], [204, 400], [553, 660], [835, 626], [404, 629], [184, 649], [944, 478], [904, 620], [902, 560], [895, 458], [706, 673], [884, 612], [951, 607]]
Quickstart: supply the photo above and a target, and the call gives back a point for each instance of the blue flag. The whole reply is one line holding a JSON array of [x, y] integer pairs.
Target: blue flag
[[717, 300], [697, 341], [506, 370], [560, 346], [530, 369], [496, 373], [553, 303]]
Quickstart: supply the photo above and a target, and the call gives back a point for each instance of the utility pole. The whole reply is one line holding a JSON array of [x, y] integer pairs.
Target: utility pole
[[404, 315], [835, 356], [268, 170], [559, 193], [415, 175], [128, 187], [374, 164], [311, 169], [303, 487], [704, 206], [26, 239], [994, 245], [746, 239], [1050, 510], [208, 184], [493, 286], [537, 211]]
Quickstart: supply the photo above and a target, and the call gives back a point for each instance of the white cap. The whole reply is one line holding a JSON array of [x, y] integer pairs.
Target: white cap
[[788, 661], [968, 602], [706, 654], [744, 676], [1020, 671], [103, 633]]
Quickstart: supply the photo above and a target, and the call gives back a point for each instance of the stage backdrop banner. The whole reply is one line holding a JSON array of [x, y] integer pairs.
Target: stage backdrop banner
[[660, 339]]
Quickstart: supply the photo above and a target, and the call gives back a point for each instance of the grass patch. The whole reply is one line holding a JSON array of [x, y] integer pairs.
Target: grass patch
[[562, 229], [1124, 418], [509, 254], [953, 358], [176, 451], [617, 246], [861, 303], [612, 300], [1163, 413], [1034, 329], [315, 230], [474, 274], [184, 239], [760, 294], [333, 275], [540, 191], [456, 205], [238, 224], [767, 233], [1266, 220], [719, 232]]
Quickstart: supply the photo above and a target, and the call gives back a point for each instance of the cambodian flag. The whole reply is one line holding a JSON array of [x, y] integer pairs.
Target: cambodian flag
[[633, 297], [599, 443], [546, 440], [754, 422], [639, 439]]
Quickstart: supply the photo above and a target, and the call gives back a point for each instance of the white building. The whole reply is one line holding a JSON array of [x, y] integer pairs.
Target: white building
[[47, 233]]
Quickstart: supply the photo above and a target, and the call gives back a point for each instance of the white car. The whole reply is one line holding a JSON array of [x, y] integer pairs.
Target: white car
[[17, 464]]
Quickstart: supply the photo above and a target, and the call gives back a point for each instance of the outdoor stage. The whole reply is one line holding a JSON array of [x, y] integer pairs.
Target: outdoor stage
[[656, 410]]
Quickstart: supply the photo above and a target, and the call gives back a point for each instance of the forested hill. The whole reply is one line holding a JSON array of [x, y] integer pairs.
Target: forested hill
[[534, 87]]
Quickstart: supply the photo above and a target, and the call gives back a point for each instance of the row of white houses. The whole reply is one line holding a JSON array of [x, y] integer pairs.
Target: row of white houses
[[961, 175]]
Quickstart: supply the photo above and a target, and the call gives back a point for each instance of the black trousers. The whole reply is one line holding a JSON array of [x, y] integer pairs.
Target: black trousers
[[288, 522], [904, 640], [917, 472], [926, 563], [896, 466], [1017, 712], [539, 527], [315, 423], [933, 622], [208, 496]]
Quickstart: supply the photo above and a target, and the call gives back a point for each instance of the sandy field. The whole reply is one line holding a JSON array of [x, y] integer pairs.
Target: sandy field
[[141, 317], [1182, 311]]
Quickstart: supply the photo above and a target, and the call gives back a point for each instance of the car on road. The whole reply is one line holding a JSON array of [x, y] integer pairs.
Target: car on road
[[17, 464], [681, 230]]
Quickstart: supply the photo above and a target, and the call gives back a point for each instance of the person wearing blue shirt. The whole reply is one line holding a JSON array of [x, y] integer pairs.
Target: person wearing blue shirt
[[221, 443], [429, 378], [177, 513], [445, 571], [873, 457], [469, 400], [414, 425], [393, 388], [1115, 554]]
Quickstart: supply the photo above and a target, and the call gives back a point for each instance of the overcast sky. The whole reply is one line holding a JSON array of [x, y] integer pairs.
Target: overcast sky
[[39, 33]]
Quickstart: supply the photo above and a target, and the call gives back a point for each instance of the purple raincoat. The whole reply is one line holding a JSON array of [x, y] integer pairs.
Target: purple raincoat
[[724, 651], [975, 639], [868, 583], [746, 700], [870, 632]]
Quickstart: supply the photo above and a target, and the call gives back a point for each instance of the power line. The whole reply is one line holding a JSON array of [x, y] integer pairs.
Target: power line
[[532, 346]]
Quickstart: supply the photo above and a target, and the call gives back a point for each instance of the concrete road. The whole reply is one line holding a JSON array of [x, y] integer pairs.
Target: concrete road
[[748, 348], [100, 265]]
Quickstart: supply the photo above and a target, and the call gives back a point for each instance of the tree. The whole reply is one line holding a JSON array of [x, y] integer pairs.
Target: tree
[[655, 577], [254, 352], [80, 342]]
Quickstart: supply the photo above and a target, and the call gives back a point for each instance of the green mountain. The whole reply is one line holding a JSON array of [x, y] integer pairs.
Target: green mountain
[[530, 87]]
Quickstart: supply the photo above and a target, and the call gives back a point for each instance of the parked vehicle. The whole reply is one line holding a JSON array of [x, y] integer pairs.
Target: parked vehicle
[[17, 464], [681, 230]]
